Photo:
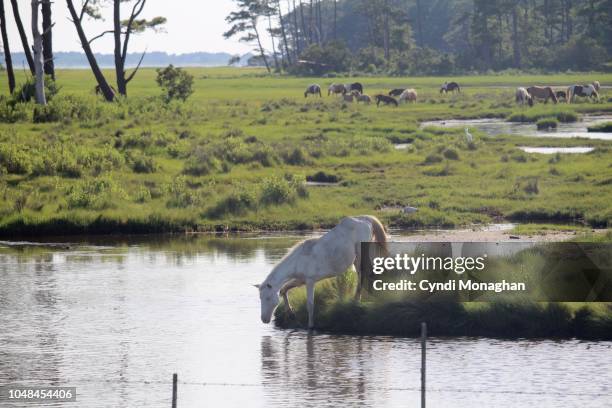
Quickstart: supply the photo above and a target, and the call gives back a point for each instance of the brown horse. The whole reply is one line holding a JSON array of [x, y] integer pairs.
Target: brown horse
[[542, 92], [387, 100], [335, 89], [409, 95]]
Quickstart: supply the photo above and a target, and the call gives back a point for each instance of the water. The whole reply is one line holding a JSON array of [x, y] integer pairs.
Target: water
[[116, 317], [496, 127], [555, 150]]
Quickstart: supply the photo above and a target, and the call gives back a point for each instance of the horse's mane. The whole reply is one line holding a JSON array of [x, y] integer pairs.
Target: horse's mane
[[298, 249]]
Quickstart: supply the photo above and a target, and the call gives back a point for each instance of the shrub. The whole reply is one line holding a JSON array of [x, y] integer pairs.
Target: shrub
[[201, 162], [14, 159], [451, 154], [238, 202], [297, 157], [180, 195], [97, 194], [322, 177], [176, 83], [141, 163], [547, 123], [432, 159], [27, 91]]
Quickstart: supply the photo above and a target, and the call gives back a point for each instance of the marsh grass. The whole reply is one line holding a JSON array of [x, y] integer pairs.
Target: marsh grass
[[202, 165]]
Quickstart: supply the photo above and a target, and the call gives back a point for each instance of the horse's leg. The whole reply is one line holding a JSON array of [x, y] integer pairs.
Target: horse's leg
[[285, 294], [357, 269], [310, 290]]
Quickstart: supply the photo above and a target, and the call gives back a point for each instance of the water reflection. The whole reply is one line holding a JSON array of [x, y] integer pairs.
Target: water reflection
[[116, 319]]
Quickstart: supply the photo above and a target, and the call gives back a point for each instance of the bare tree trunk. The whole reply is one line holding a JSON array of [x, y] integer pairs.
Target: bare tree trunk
[[47, 34], [335, 20], [303, 22], [7, 51], [320, 22], [516, 43], [8, 60], [419, 22], [274, 56], [38, 56], [297, 47], [386, 30], [310, 22], [105, 88], [261, 49], [283, 32], [119, 65], [23, 36]]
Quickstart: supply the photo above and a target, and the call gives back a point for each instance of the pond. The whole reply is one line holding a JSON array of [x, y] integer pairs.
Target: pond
[[115, 317], [496, 127]]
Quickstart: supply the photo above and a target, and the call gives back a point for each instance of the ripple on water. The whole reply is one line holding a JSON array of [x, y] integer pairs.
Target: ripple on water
[[117, 323]]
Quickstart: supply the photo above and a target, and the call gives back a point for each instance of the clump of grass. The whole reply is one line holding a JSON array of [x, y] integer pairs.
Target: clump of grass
[[451, 154], [602, 127], [547, 123], [96, 194], [509, 320], [282, 190], [432, 159], [323, 177]]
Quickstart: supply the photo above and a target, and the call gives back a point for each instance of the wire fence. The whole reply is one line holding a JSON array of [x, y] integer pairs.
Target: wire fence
[[297, 386]]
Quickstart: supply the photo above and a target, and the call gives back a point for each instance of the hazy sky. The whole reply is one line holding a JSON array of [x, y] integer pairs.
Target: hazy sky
[[193, 25]]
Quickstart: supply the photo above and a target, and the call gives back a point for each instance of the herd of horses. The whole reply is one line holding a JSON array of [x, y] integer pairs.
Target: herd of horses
[[354, 93], [530, 95]]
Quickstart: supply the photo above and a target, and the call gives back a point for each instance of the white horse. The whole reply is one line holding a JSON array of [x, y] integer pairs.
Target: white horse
[[316, 259], [522, 97]]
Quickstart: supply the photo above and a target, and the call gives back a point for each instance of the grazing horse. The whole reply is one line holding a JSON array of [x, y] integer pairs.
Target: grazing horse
[[409, 95], [542, 92], [396, 91], [522, 97], [319, 258], [561, 95], [364, 98], [350, 97], [313, 89], [585, 91], [335, 89], [356, 86], [387, 100], [450, 87], [596, 85]]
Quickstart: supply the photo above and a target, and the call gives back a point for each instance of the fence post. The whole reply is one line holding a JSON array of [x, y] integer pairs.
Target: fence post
[[423, 361], [174, 385]]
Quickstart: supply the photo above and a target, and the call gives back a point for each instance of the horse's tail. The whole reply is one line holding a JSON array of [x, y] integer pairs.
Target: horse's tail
[[378, 230]]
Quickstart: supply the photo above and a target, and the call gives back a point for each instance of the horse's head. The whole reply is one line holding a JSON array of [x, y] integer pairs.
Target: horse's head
[[269, 300]]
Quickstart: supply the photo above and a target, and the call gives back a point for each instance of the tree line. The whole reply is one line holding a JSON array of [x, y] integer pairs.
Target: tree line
[[39, 54], [426, 37]]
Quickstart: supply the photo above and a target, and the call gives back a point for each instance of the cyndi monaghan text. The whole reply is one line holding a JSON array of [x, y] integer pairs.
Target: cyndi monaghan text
[[449, 286]]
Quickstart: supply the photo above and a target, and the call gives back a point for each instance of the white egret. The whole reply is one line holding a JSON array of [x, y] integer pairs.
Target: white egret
[[468, 136]]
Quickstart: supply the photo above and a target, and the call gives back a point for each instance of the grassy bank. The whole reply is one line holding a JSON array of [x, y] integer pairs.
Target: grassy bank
[[238, 153], [393, 315]]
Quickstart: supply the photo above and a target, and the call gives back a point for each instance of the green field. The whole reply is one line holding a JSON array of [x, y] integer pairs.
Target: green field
[[235, 157]]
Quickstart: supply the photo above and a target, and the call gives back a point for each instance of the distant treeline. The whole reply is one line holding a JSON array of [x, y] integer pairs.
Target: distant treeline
[[435, 37], [152, 59]]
